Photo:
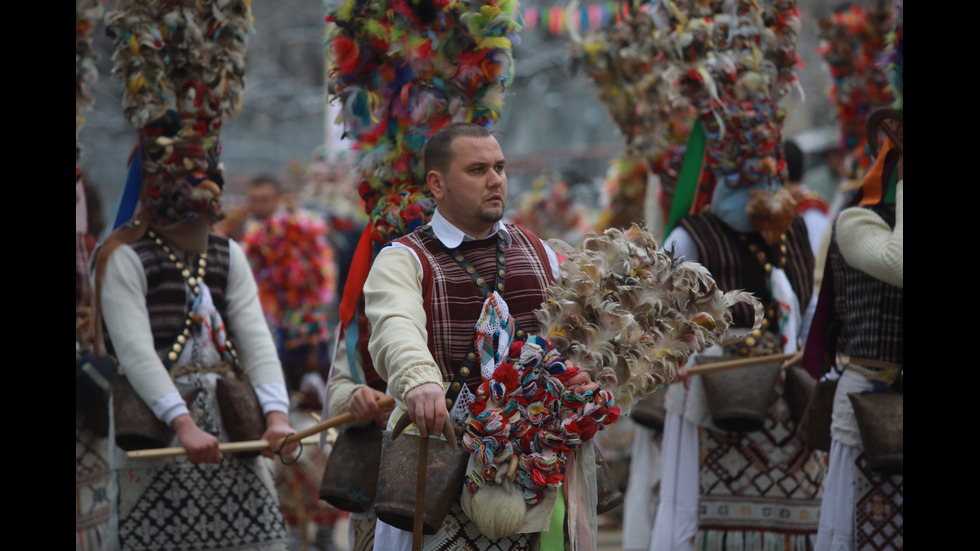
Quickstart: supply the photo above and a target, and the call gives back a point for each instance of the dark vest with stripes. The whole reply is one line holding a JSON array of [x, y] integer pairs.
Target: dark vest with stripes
[[871, 311], [454, 303], [167, 295], [734, 266]]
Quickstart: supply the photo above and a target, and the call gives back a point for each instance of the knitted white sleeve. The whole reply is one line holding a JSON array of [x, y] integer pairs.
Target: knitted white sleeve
[[868, 244]]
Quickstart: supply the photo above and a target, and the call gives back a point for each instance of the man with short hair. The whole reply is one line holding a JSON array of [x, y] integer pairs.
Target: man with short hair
[[422, 299], [264, 193]]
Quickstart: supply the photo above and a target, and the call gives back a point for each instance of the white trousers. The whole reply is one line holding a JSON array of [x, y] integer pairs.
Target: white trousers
[[676, 522], [836, 530]]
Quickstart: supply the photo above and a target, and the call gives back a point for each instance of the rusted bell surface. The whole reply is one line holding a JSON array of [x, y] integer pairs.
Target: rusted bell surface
[[881, 421], [240, 411], [814, 426], [137, 428], [395, 503], [650, 412], [799, 388], [350, 477], [739, 398], [609, 494]]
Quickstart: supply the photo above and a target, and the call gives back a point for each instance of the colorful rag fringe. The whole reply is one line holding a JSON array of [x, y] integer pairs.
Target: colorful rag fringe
[[853, 41], [525, 409], [182, 67], [296, 274], [401, 70]]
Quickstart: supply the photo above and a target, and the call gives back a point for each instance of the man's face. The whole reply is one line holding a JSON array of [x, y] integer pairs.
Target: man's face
[[472, 193], [262, 201]]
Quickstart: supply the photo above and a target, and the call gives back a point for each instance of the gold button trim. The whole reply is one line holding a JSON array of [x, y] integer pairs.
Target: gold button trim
[[479, 281], [471, 356], [500, 287], [464, 371], [470, 270], [456, 387]]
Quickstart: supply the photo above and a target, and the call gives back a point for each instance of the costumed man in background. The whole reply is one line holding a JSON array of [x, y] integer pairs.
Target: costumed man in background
[[865, 262], [293, 264], [179, 303], [759, 487], [422, 305], [863, 290], [167, 290]]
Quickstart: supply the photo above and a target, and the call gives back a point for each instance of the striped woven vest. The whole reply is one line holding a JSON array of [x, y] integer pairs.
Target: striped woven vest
[[167, 296], [871, 311], [733, 264]]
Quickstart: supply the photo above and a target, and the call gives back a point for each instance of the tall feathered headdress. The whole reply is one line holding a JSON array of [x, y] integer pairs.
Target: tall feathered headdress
[[633, 78], [402, 69], [852, 41], [182, 65], [733, 61]]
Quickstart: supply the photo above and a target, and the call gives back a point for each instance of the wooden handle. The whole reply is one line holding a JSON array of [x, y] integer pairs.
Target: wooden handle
[[741, 362], [419, 519], [224, 447], [259, 445]]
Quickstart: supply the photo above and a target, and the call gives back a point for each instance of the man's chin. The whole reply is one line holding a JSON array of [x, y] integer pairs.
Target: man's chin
[[492, 215]]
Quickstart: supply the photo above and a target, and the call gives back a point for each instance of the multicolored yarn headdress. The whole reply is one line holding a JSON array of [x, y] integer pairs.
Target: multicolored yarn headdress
[[87, 14], [853, 39], [191, 52], [632, 78], [402, 69], [733, 61]]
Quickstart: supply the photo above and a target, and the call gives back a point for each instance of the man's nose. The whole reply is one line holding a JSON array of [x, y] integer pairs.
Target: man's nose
[[496, 179]]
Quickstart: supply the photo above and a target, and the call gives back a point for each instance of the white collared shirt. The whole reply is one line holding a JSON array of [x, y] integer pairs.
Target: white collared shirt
[[451, 236]]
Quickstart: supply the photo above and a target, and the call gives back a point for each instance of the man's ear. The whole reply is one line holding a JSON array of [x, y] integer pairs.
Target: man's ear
[[436, 184]]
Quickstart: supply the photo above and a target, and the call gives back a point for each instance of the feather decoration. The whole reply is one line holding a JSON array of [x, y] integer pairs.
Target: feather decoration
[[631, 313], [418, 66], [182, 65], [87, 14], [852, 40]]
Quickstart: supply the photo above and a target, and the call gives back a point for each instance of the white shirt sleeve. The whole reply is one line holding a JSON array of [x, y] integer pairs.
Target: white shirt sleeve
[[394, 307], [252, 337], [870, 245], [128, 325]]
